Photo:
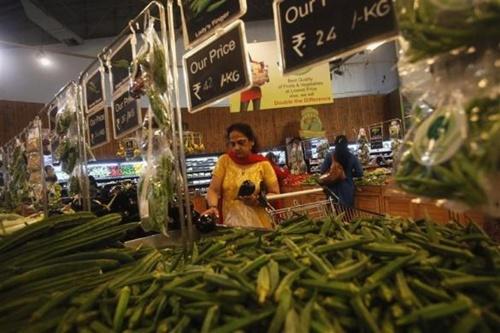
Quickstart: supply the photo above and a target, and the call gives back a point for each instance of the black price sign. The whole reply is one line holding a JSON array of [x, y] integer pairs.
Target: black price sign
[[126, 115], [201, 17], [217, 68], [313, 31], [94, 91], [377, 136], [121, 59], [98, 128]]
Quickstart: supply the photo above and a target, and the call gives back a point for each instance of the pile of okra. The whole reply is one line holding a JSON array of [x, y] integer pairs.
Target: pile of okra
[[367, 275]]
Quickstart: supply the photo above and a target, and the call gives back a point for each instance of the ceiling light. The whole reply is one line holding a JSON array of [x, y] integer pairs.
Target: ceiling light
[[373, 46], [43, 59]]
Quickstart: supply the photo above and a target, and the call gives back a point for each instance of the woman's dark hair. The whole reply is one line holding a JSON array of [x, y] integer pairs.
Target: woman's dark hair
[[271, 157], [246, 130], [342, 153]]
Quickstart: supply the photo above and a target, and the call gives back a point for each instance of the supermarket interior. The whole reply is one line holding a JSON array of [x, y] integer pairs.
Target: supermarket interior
[[249, 166]]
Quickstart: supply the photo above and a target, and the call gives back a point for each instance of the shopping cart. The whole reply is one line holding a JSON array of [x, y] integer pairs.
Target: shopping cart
[[315, 210]]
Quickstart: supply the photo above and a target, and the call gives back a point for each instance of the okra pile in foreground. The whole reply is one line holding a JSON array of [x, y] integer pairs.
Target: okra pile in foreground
[[370, 275]]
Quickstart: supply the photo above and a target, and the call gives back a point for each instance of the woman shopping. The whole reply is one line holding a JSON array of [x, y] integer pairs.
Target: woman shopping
[[343, 189], [241, 166]]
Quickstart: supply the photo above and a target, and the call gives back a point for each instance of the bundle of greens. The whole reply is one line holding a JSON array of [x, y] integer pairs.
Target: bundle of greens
[[64, 120], [67, 153], [375, 177], [437, 26], [18, 188]]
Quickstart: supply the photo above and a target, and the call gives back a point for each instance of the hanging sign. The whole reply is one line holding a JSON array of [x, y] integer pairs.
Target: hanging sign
[[126, 114], [376, 136], [313, 31], [200, 18], [121, 58], [217, 68], [98, 128], [270, 89], [93, 91]]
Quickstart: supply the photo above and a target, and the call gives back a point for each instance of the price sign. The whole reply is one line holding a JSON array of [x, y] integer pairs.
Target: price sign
[[376, 136], [98, 128], [318, 30], [126, 114], [217, 68], [201, 18], [121, 58], [93, 90]]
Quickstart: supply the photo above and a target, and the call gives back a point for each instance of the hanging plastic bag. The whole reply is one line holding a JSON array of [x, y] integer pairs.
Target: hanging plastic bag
[[156, 191], [449, 71], [149, 76]]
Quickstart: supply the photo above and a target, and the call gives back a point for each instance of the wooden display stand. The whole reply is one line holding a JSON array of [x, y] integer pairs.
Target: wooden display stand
[[388, 199]]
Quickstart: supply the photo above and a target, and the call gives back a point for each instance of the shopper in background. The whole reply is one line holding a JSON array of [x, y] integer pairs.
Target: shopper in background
[[240, 164], [352, 168], [281, 173]]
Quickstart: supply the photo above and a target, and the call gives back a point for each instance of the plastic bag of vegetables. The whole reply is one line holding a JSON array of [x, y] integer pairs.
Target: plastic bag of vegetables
[[156, 191], [433, 27], [452, 153], [449, 69], [149, 76]]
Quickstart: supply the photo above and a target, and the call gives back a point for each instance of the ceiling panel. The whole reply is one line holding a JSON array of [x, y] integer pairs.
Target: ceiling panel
[[88, 18]]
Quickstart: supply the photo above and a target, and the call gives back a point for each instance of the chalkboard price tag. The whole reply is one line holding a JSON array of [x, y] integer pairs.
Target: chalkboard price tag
[[98, 128], [313, 31], [126, 114], [201, 18], [217, 68], [376, 136], [121, 58], [94, 91]]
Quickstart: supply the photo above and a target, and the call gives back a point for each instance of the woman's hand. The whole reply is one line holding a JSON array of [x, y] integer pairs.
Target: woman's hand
[[212, 211], [250, 200]]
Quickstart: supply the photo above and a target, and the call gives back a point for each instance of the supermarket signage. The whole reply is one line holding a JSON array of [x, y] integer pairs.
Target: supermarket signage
[[313, 31], [201, 18], [98, 132], [217, 68], [126, 114], [120, 60], [377, 136], [93, 91]]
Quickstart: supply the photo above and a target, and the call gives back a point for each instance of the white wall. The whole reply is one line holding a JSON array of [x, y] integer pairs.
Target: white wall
[[23, 79]]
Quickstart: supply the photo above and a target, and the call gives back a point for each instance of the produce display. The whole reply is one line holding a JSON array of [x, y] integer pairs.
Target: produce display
[[296, 180], [16, 191], [375, 177], [433, 27], [54, 265], [371, 275], [10, 222]]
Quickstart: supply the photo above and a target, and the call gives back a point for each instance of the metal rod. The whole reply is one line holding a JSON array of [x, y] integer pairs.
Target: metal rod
[[293, 194], [84, 179], [182, 155]]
